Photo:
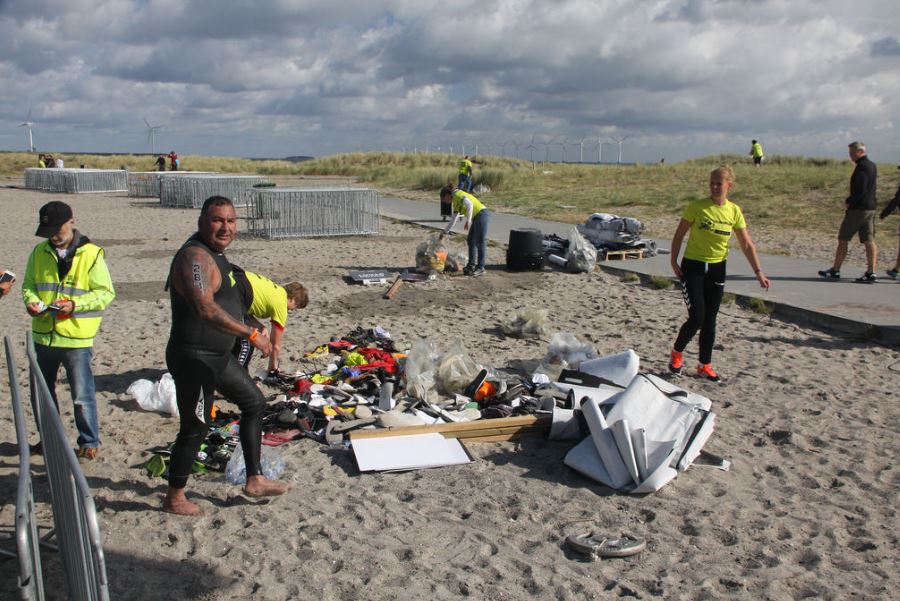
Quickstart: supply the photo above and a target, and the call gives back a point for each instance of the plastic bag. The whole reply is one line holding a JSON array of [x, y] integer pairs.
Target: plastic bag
[[456, 261], [456, 369], [529, 323], [155, 397], [419, 370], [566, 350], [431, 254], [271, 460], [582, 255]]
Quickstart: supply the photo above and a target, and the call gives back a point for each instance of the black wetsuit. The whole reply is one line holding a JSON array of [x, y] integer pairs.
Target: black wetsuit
[[199, 358]]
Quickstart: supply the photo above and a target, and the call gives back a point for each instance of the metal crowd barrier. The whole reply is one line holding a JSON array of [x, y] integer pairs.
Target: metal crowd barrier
[[76, 181], [192, 191], [306, 212], [31, 584], [74, 515], [145, 184]]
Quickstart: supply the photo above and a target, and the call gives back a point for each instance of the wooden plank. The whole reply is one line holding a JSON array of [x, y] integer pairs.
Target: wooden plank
[[392, 291], [466, 430], [625, 254]]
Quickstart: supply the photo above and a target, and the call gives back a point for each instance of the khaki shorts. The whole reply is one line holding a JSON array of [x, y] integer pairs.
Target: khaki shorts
[[857, 222]]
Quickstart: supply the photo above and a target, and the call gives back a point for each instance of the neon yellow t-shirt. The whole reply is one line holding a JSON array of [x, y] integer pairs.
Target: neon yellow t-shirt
[[711, 229], [269, 299]]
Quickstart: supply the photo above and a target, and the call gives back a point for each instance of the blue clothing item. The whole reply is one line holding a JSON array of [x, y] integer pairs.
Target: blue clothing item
[[77, 362], [465, 182], [477, 238]]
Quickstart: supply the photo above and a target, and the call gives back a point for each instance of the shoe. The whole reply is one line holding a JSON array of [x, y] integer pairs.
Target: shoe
[[705, 370], [37, 448], [676, 361], [830, 273], [893, 274], [468, 269], [477, 272], [867, 278], [86, 454]]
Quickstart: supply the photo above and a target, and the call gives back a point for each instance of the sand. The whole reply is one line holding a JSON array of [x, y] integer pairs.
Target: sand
[[808, 420]]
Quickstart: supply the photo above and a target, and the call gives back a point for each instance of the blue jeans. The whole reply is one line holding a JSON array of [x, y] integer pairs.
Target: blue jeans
[[77, 362], [477, 238], [465, 182]]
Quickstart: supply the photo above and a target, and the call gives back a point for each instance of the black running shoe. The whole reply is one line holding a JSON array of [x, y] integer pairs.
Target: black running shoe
[[867, 278], [830, 273]]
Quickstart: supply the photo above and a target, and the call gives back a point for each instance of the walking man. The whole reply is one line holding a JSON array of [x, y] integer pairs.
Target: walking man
[[66, 288], [465, 174], [859, 218], [206, 317]]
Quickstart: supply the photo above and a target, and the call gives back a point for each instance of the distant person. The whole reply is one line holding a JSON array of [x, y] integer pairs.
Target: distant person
[[465, 174], [477, 220], [160, 163], [66, 289], [711, 222], [756, 152], [262, 298], [859, 216], [49, 161], [892, 207], [206, 319], [173, 160], [59, 163], [42, 161]]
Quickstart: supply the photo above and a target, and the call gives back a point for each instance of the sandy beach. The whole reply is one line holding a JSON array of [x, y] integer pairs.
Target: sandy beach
[[808, 420]]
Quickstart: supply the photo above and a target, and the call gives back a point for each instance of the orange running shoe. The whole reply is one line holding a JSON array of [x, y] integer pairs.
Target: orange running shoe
[[705, 370], [675, 362]]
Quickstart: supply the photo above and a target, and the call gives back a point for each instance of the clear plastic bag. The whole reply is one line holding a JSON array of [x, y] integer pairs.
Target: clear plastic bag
[[582, 255], [566, 350], [528, 323], [271, 461], [456, 369], [431, 254], [420, 366], [159, 396]]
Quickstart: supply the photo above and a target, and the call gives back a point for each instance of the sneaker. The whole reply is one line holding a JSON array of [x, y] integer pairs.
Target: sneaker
[[705, 370], [867, 278], [830, 273], [676, 361], [468, 269], [86, 454], [893, 274], [477, 272]]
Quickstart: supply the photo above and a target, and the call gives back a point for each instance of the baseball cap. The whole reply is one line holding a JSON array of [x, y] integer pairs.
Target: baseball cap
[[52, 215]]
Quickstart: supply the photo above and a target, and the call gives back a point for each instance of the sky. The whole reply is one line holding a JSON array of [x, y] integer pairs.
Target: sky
[[536, 79]]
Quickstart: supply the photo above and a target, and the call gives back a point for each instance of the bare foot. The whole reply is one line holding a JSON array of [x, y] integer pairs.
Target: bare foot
[[260, 486], [175, 502]]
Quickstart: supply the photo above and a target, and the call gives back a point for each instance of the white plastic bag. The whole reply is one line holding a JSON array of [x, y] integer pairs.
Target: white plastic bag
[[527, 323], [566, 350], [456, 369], [582, 255], [155, 397], [420, 365]]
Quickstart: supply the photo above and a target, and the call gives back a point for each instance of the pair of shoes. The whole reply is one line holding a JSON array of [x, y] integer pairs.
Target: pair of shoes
[[86, 454], [676, 361], [705, 370], [830, 273], [893, 274], [477, 272], [867, 278], [468, 269]]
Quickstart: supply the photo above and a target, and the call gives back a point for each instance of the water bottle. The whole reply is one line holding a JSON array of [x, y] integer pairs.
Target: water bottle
[[386, 396]]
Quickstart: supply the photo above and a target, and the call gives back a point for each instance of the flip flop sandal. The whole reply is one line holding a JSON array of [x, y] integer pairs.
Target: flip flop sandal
[[597, 545]]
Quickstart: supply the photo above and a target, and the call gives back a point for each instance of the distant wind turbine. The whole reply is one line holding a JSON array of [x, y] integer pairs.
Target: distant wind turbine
[[29, 124], [619, 142], [151, 135]]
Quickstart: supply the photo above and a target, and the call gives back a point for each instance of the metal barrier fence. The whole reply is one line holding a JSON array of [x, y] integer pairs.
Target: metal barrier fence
[[31, 583], [74, 514], [192, 191], [145, 184], [76, 181], [306, 212]]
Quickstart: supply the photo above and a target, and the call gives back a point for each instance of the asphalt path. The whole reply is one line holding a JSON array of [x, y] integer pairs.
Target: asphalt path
[[797, 293]]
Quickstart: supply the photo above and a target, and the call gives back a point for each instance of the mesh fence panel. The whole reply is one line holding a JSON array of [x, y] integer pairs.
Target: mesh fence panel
[[306, 212], [192, 191], [76, 181]]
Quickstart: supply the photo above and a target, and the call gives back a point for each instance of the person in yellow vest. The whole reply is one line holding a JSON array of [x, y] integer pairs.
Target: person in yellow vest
[[756, 152], [66, 289], [465, 174], [477, 219], [264, 299]]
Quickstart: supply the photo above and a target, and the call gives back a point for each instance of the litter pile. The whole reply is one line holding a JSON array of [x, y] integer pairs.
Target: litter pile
[[607, 233], [411, 408]]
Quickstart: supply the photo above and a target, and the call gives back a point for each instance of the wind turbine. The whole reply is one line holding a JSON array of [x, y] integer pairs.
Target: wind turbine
[[531, 147], [563, 146], [581, 153], [151, 135], [29, 123], [619, 142], [516, 147]]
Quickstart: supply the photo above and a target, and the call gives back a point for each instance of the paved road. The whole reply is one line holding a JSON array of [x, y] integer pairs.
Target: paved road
[[797, 293]]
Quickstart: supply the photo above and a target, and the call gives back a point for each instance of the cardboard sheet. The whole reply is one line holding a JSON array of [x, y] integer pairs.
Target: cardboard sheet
[[417, 451]]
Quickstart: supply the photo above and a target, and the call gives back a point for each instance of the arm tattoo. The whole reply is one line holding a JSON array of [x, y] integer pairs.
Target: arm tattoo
[[197, 275]]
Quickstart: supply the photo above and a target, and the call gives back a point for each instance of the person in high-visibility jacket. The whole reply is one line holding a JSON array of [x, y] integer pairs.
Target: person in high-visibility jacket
[[756, 152], [65, 290], [465, 174], [477, 220]]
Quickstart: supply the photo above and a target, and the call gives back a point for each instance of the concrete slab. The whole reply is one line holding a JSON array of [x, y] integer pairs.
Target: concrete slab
[[797, 293]]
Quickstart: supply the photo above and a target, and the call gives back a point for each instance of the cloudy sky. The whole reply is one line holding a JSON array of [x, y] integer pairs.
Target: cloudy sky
[[273, 78]]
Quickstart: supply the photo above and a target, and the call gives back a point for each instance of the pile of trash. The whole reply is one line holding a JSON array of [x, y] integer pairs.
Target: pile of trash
[[609, 232]]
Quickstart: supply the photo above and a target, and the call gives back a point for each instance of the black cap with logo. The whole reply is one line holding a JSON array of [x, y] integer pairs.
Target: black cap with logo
[[52, 215]]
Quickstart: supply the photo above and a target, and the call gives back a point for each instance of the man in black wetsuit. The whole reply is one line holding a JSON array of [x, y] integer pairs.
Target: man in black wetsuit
[[206, 318]]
